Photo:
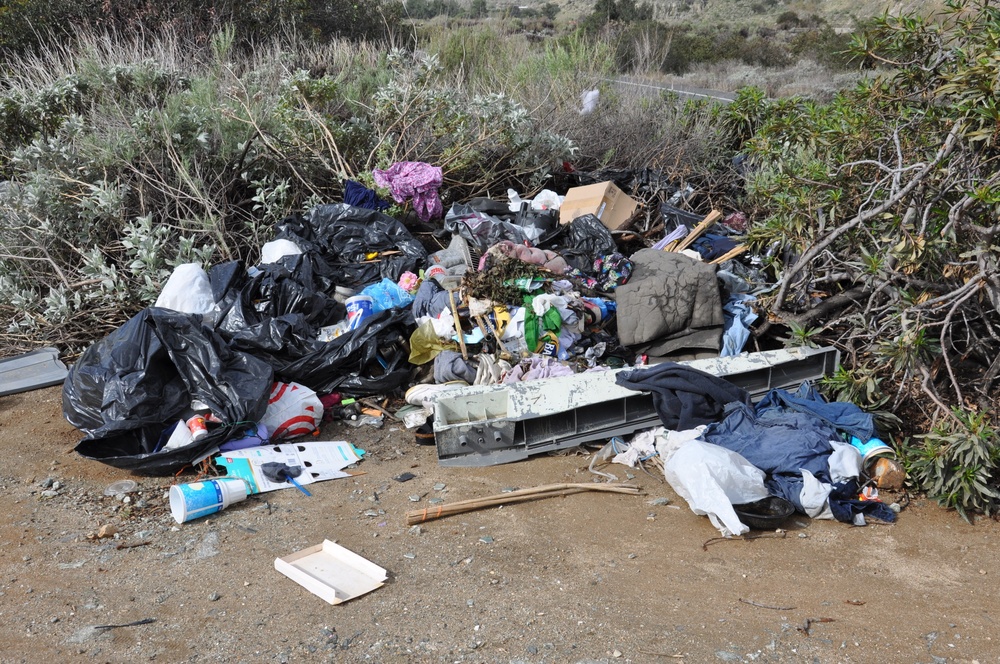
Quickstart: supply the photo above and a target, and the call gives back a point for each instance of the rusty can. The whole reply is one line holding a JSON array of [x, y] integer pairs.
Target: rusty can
[[196, 425]]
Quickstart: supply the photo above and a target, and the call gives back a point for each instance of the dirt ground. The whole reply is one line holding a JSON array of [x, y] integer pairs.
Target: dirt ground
[[585, 578]]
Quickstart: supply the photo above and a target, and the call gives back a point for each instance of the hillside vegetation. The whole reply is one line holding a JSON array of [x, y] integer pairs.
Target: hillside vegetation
[[874, 212]]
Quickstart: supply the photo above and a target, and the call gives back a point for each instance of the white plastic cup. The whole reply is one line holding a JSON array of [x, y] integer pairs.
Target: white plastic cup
[[198, 499], [359, 307]]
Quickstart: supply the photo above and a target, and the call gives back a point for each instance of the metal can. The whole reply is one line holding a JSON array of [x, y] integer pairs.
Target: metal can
[[196, 425]]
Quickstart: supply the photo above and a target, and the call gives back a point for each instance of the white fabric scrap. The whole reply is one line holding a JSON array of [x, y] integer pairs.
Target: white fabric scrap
[[815, 497], [845, 462]]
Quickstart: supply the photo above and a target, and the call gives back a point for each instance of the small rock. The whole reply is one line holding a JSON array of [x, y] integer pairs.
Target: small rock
[[617, 653], [214, 597], [532, 650], [486, 539], [409, 556], [895, 507], [49, 493], [415, 530], [127, 500], [56, 485], [414, 498], [803, 535], [371, 513], [436, 501], [470, 602], [54, 619], [107, 530], [656, 502], [439, 486], [47, 483], [510, 489], [141, 504], [631, 556]]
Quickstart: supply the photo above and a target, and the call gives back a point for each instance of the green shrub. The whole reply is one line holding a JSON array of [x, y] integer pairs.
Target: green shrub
[[957, 463]]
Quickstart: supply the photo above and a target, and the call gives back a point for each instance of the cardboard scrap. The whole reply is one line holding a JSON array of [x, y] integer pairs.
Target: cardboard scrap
[[332, 572], [321, 460]]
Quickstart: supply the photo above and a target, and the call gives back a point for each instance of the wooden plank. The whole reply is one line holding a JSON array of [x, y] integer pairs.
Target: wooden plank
[[702, 226]]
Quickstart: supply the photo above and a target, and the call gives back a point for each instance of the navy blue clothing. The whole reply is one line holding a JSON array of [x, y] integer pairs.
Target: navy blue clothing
[[684, 397], [788, 433]]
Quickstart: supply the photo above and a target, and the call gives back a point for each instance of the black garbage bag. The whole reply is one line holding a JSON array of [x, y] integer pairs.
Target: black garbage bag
[[481, 230], [278, 290], [344, 237], [374, 359], [127, 388], [584, 240], [674, 218]]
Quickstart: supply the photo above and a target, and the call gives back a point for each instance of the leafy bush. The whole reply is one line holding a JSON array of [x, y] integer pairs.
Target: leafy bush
[[127, 158], [958, 463], [27, 25], [884, 203]]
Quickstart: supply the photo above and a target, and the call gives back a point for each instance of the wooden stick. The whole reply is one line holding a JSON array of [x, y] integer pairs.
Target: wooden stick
[[732, 253], [523, 495], [458, 324], [702, 226]]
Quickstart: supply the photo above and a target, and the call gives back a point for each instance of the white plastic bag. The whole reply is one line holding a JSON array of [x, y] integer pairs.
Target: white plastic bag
[[275, 250], [189, 291], [712, 479], [293, 410]]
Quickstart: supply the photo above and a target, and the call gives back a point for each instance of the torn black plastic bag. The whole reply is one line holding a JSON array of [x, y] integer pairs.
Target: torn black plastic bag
[[345, 236], [481, 230], [586, 239], [276, 311], [127, 388], [370, 360]]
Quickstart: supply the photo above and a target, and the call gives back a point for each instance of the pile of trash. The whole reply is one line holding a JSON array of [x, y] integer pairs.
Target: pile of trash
[[347, 302]]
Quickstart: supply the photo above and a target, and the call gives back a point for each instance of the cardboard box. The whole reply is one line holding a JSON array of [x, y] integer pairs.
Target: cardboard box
[[603, 200]]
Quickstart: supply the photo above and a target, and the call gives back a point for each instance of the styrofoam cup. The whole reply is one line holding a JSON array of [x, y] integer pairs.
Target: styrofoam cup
[[198, 499]]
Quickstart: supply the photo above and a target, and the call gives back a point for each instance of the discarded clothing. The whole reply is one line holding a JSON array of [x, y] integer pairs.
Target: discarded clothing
[[788, 435], [671, 304], [431, 299], [450, 366], [711, 246], [416, 181], [678, 233], [612, 271], [739, 317], [684, 397], [535, 326], [359, 195], [535, 368]]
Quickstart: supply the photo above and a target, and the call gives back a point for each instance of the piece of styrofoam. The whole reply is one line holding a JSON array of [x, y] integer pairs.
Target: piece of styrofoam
[[332, 572]]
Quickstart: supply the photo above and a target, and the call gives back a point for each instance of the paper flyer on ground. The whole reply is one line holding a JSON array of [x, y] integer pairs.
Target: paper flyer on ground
[[321, 460]]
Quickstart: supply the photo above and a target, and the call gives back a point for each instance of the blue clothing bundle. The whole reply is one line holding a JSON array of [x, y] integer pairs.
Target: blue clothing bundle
[[788, 433]]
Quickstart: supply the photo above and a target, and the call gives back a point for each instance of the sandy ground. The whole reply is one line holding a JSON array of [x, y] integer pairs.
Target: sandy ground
[[585, 578]]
